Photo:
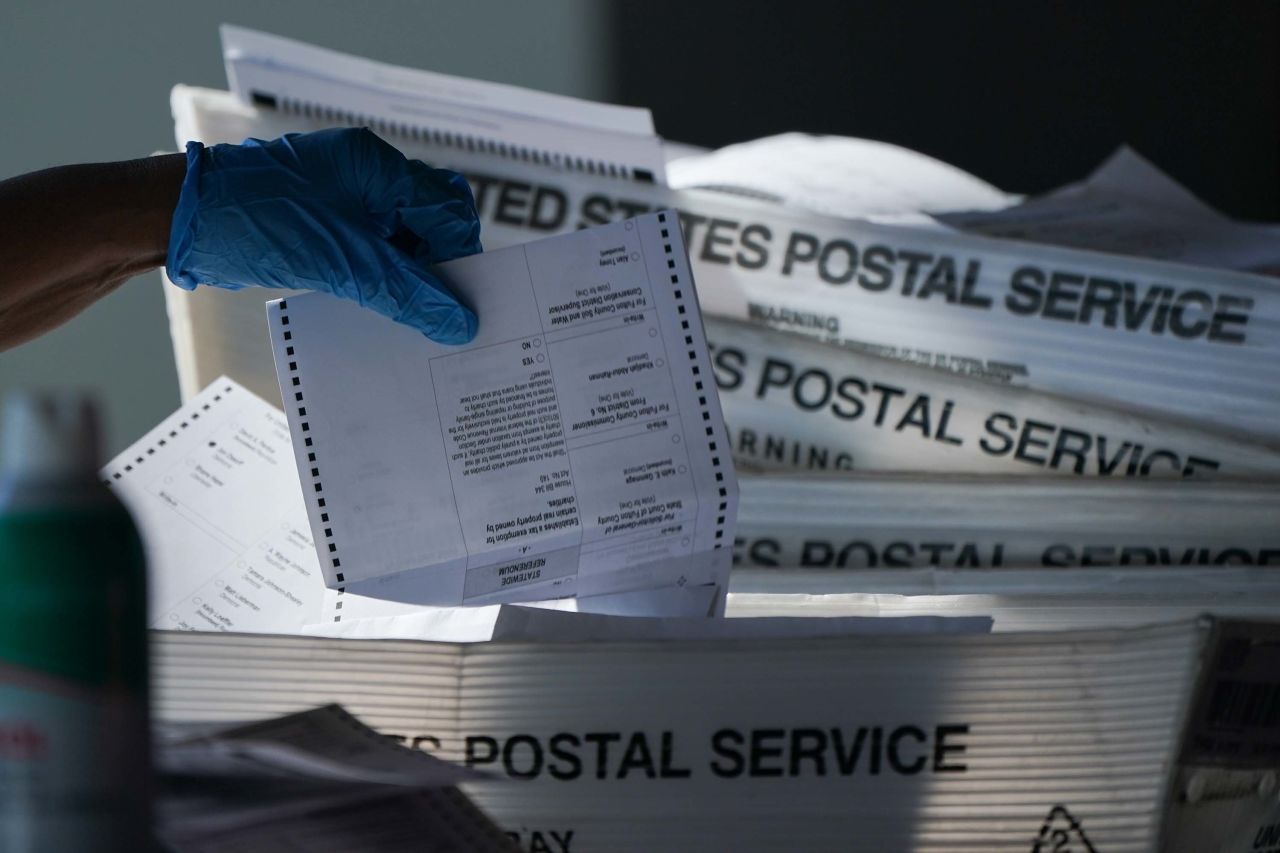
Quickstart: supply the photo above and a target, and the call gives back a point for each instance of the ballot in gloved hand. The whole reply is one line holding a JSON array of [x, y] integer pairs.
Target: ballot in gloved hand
[[339, 211]]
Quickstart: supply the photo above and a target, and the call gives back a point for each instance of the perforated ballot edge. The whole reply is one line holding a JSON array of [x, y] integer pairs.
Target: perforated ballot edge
[[694, 390]]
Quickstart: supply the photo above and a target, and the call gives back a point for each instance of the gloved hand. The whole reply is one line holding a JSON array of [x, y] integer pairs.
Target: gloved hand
[[338, 211]]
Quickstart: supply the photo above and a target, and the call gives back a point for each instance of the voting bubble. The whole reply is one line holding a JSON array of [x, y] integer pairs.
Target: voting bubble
[[240, 563], [635, 256], [629, 225], [537, 342], [661, 362], [168, 479], [219, 584], [213, 444], [285, 527], [191, 462], [685, 541], [653, 333], [262, 545], [683, 468], [675, 439], [541, 358], [197, 600], [173, 617]]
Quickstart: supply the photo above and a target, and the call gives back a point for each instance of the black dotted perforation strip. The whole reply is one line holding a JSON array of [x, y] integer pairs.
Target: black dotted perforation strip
[[682, 312], [312, 471], [451, 139], [121, 470]]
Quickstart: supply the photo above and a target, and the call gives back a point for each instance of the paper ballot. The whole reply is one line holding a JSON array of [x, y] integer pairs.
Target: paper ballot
[[217, 501], [552, 131], [575, 447], [214, 495]]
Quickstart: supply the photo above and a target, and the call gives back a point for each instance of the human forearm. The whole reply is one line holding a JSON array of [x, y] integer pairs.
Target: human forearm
[[72, 234], [340, 211]]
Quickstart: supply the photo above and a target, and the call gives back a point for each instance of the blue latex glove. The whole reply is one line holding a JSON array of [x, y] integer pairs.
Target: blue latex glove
[[339, 211]]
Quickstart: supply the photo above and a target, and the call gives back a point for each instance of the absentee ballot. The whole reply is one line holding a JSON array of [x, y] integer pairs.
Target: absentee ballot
[[575, 447]]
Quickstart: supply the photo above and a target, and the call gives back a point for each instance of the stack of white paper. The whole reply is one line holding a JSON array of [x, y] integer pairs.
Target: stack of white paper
[[1025, 601], [550, 131], [215, 494], [894, 522]]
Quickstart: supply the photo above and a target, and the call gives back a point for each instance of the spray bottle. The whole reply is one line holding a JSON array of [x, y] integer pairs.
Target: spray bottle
[[74, 746]]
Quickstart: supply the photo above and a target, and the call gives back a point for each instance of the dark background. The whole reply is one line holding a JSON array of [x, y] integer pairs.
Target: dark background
[[1028, 95]]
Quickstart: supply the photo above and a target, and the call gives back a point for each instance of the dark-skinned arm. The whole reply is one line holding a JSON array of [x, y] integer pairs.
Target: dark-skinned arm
[[372, 223], [72, 234]]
